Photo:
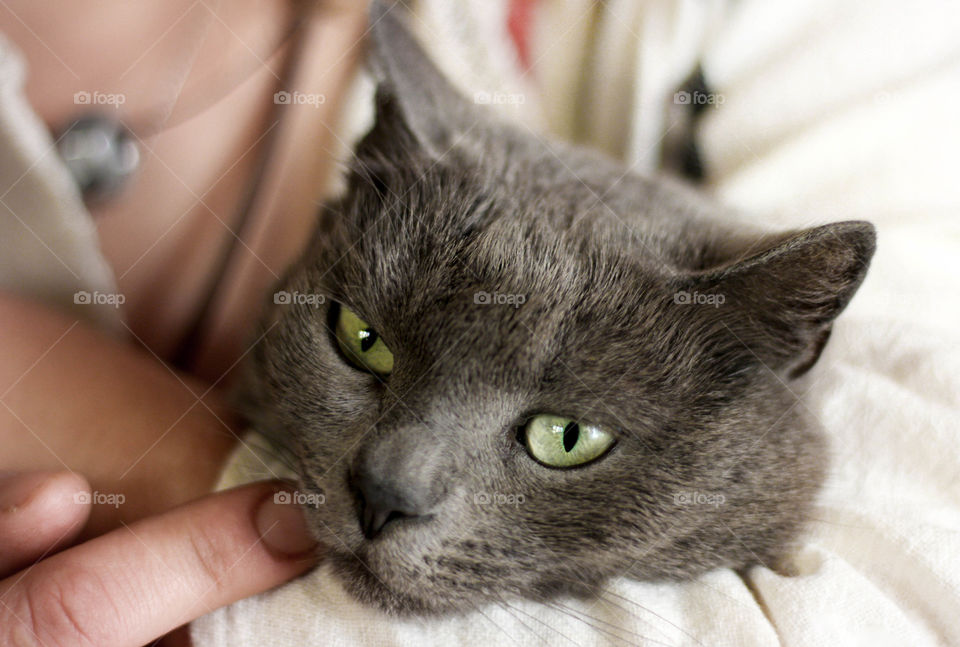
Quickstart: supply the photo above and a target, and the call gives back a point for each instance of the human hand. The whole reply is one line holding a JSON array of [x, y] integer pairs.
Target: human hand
[[71, 398], [137, 583]]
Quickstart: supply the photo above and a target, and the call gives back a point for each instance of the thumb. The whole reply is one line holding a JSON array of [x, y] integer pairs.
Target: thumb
[[39, 513], [139, 582]]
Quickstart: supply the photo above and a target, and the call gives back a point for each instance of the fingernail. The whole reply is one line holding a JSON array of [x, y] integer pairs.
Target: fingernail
[[282, 526], [16, 489], [19, 490]]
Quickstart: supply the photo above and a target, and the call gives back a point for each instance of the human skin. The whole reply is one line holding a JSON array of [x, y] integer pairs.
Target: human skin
[[74, 399], [119, 416], [108, 413], [137, 583], [213, 107]]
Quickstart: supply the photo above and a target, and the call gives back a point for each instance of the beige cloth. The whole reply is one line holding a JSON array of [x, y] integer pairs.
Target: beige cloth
[[48, 244]]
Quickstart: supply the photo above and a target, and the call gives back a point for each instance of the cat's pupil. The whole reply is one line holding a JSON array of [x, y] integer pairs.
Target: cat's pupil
[[571, 434], [368, 338]]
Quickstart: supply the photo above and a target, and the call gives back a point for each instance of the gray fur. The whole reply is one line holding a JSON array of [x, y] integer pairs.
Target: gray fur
[[443, 202]]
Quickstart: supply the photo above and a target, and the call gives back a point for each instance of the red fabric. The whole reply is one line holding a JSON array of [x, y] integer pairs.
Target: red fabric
[[519, 23]]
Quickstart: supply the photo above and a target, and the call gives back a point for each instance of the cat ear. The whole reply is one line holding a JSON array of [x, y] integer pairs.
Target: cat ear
[[415, 104], [781, 302]]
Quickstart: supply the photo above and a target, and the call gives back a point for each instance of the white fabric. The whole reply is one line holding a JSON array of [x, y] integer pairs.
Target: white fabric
[[48, 243], [831, 111]]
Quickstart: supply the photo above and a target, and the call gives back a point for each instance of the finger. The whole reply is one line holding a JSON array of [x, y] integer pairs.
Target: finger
[[136, 583], [40, 512]]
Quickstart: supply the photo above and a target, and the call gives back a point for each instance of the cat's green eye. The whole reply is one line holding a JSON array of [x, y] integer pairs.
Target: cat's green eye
[[361, 344], [562, 442]]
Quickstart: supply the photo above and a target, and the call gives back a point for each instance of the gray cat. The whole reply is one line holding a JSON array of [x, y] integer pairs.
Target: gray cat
[[533, 370]]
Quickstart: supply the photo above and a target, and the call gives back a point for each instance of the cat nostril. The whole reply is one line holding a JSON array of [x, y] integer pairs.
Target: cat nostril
[[374, 519], [379, 505]]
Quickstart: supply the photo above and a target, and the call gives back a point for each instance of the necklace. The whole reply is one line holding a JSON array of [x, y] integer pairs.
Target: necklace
[[101, 153], [100, 149]]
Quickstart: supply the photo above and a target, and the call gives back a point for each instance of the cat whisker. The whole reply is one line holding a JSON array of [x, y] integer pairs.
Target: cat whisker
[[599, 596], [840, 524], [274, 449], [547, 625], [497, 625], [650, 611], [579, 614], [598, 625], [507, 608], [618, 628]]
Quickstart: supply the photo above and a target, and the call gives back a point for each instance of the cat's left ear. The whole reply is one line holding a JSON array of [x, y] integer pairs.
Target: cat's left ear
[[781, 301], [415, 104]]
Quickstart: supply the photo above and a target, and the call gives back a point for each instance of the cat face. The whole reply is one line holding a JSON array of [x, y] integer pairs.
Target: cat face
[[512, 387]]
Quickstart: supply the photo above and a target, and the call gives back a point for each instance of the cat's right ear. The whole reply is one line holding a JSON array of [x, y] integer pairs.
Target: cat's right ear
[[781, 300], [416, 106]]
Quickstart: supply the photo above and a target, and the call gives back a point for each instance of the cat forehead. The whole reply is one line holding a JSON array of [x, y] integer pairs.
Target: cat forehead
[[520, 186], [509, 254], [512, 302], [433, 230], [527, 209]]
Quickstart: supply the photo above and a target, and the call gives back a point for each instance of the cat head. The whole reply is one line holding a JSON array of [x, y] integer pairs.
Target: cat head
[[514, 368]]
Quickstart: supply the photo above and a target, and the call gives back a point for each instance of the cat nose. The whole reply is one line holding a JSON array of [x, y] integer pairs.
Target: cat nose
[[381, 503]]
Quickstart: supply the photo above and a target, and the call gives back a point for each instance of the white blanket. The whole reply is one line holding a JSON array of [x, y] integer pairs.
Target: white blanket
[[48, 242]]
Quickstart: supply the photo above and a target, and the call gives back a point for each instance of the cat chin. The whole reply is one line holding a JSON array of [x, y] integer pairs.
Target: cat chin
[[369, 588], [425, 598], [380, 573]]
